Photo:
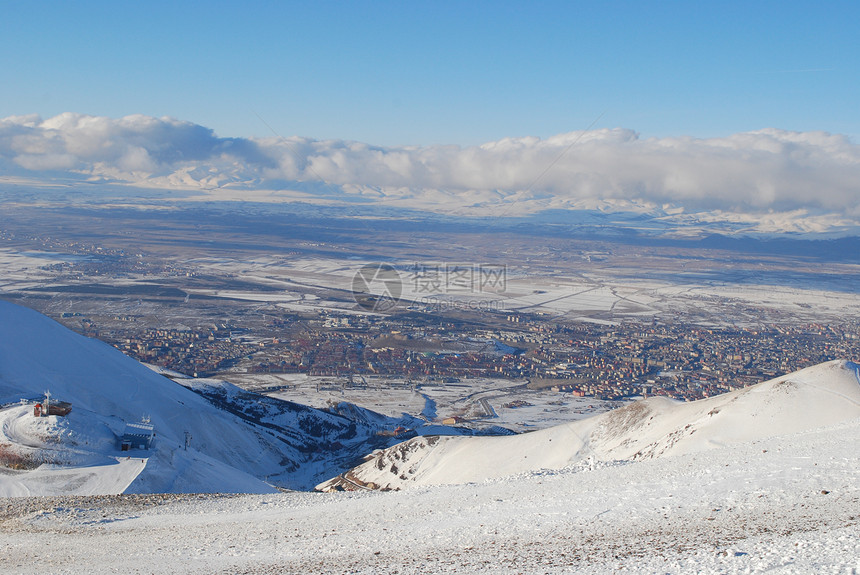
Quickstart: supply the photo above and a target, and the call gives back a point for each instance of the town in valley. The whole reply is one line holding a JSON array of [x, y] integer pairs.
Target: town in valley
[[566, 327]]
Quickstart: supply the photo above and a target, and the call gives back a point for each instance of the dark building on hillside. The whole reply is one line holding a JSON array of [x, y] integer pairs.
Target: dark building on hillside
[[137, 436]]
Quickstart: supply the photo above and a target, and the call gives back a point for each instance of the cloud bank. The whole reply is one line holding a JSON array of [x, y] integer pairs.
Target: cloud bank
[[753, 172]]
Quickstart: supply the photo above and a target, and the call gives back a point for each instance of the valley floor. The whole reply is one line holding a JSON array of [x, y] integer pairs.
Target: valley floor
[[781, 505]]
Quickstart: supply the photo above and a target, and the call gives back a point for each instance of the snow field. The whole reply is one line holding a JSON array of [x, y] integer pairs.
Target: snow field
[[782, 505]]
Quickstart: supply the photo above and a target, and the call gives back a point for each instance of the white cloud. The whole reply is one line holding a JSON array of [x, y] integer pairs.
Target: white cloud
[[749, 172]]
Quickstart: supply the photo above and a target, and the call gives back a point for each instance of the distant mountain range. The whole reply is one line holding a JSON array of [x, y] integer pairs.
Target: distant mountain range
[[766, 183]]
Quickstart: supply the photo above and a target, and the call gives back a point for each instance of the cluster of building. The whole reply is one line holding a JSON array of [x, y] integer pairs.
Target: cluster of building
[[603, 361], [192, 352], [680, 361]]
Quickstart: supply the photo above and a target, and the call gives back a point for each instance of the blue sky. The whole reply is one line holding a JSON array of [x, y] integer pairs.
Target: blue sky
[[421, 73]]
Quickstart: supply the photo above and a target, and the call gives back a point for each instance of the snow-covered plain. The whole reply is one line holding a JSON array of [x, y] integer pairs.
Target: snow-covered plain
[[619, 292]]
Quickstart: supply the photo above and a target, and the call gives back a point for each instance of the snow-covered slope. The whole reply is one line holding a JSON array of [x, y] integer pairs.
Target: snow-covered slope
[[815, 397], [108, 390]]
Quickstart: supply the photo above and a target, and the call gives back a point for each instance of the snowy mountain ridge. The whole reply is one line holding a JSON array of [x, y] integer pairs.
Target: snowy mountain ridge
[[818, 396]]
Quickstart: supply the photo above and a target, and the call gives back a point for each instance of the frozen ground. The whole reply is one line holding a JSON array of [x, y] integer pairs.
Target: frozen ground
[[787, 504]]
